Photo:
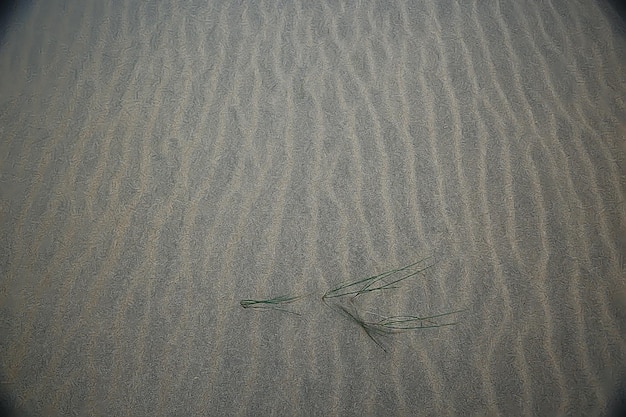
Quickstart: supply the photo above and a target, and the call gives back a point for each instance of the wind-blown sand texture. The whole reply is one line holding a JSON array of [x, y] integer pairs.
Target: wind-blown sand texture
[[160, 161]]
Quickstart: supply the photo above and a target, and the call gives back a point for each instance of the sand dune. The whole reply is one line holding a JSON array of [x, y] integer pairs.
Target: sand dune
[[160, 162]]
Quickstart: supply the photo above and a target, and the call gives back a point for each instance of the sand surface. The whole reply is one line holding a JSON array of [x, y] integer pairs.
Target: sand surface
[[162, 160]]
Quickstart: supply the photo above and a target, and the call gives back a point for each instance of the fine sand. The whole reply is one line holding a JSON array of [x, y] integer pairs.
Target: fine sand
[[160, 161]]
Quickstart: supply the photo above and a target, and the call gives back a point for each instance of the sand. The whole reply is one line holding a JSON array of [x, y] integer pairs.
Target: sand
[[161, 161]]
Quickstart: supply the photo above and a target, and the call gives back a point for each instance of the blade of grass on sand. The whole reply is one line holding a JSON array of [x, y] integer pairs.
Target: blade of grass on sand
[[375, 283], [415, 322], [276, 303], [376, 330]]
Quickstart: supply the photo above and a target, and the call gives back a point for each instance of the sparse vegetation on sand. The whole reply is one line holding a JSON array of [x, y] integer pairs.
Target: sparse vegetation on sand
[[344, 299]]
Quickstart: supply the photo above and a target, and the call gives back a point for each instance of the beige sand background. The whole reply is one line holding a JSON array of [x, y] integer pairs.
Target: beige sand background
[[162, 160]]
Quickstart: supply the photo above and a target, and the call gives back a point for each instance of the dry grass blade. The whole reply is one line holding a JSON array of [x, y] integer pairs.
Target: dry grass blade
[[396, 324], [415, 322], [276, 303], [386, 326], [384, 281]]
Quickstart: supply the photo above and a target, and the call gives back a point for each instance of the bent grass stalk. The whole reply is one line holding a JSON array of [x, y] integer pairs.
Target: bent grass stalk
[[394, 324], [276, 303], [375, 283]]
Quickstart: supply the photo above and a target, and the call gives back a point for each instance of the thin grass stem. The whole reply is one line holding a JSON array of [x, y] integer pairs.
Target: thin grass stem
[[276, 303], [416, 322], [374, 283], [376, 330]]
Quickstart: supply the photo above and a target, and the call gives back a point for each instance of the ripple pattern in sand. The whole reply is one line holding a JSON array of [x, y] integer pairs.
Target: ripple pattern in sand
[[159, 162]]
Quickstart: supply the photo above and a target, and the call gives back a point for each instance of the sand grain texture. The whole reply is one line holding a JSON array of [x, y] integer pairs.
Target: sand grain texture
[[161, 161]]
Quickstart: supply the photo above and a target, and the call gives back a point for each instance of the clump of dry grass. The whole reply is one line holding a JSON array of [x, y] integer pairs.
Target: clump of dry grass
[[388, 325]]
